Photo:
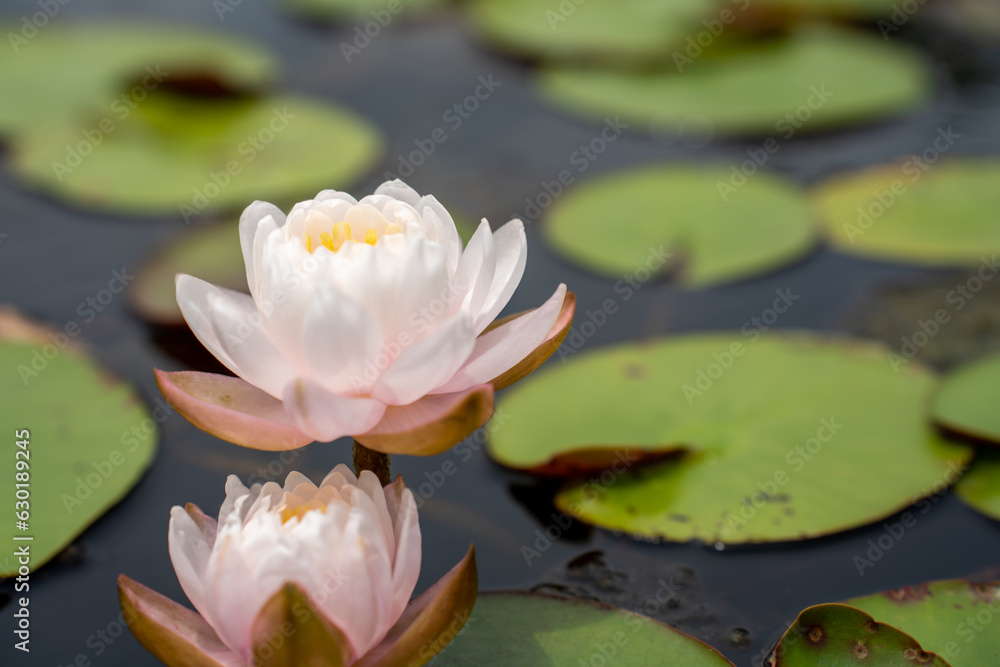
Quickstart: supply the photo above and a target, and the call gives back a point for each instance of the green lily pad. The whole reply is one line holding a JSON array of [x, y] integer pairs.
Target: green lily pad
[[980, 487], [811, 79], [597, 29], [776, 437], [105, 69], [838, 635], [940, 214], [967, 400], [713, 231], [837, 8], [532, 630], [380, 11], [86, 436], [181, 154], [946, 617]]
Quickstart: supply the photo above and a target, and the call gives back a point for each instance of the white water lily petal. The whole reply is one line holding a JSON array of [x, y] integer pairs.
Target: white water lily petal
[[511, 258], [250, 220], [514, 340], [326, 416], [227, 323]]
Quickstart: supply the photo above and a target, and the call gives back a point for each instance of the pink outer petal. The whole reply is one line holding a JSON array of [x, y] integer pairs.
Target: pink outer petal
[[538, 356], [326, 416], [502, 348], [177, 636], [431, 425], [231, 409], [431, 621]]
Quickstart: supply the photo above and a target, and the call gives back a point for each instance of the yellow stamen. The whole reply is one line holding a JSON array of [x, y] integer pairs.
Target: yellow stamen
[[309, 244], [371, 236], [327, 242], [341, 234], [392, 228]]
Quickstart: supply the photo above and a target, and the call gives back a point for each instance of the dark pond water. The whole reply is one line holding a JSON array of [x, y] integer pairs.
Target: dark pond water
[[737, 599]]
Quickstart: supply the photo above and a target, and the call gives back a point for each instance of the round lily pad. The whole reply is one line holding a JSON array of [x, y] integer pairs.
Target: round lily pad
[[185, 155], [380, 11], [532, 630], [79, 441], [967, 400], [685, 219], [811, 79], [106, 69], [919, 210], [776, 437], [980, 487], [595, 29], [950, 618], [838, 635]]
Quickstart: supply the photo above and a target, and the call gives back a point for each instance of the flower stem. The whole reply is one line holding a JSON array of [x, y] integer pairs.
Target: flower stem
[[368, 459]]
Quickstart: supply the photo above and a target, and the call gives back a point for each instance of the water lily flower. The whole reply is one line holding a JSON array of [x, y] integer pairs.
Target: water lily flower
[[301, 575], [365, 318]]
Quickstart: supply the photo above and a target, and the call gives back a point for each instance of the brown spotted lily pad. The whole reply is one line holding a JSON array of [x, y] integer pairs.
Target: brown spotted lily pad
[[766, 433]]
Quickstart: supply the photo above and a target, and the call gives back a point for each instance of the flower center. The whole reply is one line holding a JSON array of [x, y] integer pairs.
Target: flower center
[[305, 498], [341, 234]]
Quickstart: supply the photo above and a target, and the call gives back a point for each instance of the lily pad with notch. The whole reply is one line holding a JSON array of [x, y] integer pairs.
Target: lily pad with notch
[[768, 434], [712, 235]]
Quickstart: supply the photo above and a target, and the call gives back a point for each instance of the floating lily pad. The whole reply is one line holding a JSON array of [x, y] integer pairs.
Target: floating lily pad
[[838, 634], [65, 70], [180, 154], [532, 630], [945, 214], [946, 617], [713, 231], [779, 437], [363, 10], [980, 487], [837, 8], [598, 29], [89, 438], [968, 399], [809, 80]]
